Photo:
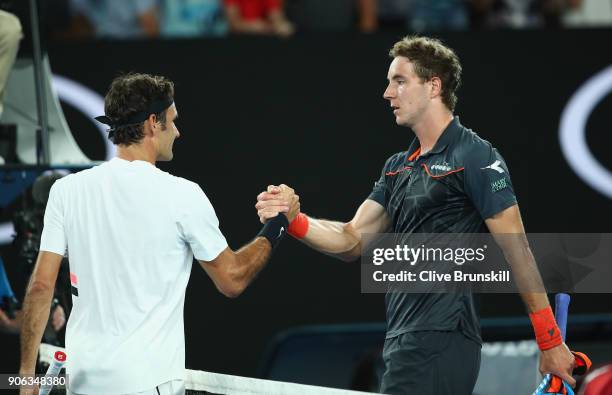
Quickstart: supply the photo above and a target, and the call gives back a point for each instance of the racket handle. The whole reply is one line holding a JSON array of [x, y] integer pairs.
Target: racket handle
[[562, 302], [53, 371]]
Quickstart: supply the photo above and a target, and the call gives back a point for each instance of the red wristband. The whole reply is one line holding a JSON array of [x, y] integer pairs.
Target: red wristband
[[547, 332], [299, 226]]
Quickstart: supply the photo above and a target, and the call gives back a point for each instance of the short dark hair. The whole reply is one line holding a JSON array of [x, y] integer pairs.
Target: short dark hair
[[431, 58], [132, 93]]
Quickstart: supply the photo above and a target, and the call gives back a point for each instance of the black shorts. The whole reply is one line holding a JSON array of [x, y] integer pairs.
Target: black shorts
[[430, 363]]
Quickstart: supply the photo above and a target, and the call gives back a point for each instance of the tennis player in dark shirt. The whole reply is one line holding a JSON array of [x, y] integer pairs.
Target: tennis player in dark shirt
[[448, 181]]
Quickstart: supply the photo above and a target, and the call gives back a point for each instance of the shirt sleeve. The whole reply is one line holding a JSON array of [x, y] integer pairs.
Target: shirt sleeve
[[53, 238], [200, 227], [487, 181], [380, 191]]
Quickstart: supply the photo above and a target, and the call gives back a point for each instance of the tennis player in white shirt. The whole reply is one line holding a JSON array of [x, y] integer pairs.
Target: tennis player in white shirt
[[132, 231]]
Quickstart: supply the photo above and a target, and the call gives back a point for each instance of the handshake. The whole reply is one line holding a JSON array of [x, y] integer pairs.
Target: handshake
[[275, 200]]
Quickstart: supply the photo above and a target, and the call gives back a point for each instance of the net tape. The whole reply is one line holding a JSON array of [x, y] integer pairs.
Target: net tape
[[202, 382]]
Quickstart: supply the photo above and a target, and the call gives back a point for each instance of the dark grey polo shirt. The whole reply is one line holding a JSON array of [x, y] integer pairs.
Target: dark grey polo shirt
[[453, 188]]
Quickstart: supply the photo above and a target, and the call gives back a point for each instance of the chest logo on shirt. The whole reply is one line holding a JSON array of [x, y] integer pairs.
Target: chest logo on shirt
[[494, 166], [441, 167], [440, 170]]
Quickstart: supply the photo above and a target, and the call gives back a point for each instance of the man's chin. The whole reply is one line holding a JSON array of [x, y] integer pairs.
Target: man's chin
[[402, 122]]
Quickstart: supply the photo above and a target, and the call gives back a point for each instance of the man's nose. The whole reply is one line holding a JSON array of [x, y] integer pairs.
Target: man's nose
[[388, 93]]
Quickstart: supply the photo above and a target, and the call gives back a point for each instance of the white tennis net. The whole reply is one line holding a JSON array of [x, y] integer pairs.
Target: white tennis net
[[199, 382]]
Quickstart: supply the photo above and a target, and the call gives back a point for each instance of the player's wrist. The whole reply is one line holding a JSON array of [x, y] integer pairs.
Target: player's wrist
[[27, 370], [274, 229], [298, 228], [545, 327]]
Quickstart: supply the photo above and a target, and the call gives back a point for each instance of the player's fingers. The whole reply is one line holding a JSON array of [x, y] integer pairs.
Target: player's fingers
[[268, 196], [272, 210], [271, 203], [565, 376], [273, 189], [569, 379], [286, 188], [568, 373], [265, 195], [265, 216], [262, 218]]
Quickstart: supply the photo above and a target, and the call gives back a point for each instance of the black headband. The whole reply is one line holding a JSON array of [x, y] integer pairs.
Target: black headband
[[154, 108]]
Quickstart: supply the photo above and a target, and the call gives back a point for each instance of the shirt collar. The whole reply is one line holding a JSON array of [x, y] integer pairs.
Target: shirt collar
[[444, 140], [136, 162]]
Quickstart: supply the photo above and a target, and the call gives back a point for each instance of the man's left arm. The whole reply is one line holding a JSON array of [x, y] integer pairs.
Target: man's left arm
[[489, 187], [37, 307], [509, 233], [37, 303]]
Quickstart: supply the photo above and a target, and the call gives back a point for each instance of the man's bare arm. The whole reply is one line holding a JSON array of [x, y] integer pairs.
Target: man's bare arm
[[338, 239], [36, 307], [233, 271], [344, 240], [508, 231]]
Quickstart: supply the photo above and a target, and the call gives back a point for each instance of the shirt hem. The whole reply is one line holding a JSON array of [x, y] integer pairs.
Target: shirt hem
[[104, 389], [200, 256], [378, 199], [502, 207], [423, 328], [58, 251]]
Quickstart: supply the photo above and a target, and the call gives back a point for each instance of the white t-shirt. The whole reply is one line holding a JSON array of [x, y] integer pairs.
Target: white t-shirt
[[131, 232]]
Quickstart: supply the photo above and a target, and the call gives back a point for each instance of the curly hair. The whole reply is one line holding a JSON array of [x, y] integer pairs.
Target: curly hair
[[431, 58], [132, 93]]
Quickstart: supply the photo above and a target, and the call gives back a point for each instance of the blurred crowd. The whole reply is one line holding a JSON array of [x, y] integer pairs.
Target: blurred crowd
[[128, 19]]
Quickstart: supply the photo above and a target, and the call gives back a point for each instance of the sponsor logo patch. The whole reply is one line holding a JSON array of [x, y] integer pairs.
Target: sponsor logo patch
[[498, 185]]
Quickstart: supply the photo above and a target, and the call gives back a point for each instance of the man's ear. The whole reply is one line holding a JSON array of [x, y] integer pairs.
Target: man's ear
[[436, 87], [150, 124]]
